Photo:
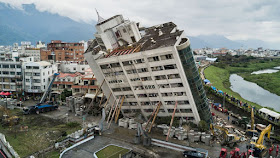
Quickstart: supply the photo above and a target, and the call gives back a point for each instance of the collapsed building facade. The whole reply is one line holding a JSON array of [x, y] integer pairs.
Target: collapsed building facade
[[147, 66]]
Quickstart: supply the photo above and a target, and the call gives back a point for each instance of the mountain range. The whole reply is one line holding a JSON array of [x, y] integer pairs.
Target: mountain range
[[31, 25]]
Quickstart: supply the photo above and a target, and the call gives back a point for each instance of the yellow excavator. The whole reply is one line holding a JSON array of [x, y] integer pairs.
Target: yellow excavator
[[6, 118], [229, 139], [258, 144]]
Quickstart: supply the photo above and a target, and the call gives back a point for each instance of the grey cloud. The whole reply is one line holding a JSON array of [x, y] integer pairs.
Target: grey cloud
[[238, 19]]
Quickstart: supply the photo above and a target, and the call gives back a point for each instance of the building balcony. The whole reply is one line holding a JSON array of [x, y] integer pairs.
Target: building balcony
[[32, 70], [8, 83], [7, 76], [33, 90]]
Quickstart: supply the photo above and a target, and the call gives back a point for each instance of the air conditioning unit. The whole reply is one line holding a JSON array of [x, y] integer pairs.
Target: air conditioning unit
[[109, 66], [130, 62], [135, 61]]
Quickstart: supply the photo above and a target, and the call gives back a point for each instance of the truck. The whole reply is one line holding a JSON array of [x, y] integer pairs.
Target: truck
[[43, 106], [241, 122]]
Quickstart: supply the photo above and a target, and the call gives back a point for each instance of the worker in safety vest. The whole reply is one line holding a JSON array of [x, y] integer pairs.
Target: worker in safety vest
[[270, 150]]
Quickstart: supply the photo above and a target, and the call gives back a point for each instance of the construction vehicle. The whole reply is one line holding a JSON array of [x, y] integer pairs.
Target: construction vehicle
[[223, 153], [219, 107], [257, 144], [229, 139], [250, 128], [41, 106], [240, 121], [7, 119]]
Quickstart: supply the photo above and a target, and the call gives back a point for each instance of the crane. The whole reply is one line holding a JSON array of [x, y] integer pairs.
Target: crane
[[40, 107], [258, 145], [47, 92]]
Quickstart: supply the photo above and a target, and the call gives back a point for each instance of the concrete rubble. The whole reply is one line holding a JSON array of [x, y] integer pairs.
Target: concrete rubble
[[75, 104]]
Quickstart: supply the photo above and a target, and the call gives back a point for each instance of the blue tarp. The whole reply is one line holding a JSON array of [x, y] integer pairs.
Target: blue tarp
[[214, 88], [206, 81], [219, 91], [44, 106], [217, 104]]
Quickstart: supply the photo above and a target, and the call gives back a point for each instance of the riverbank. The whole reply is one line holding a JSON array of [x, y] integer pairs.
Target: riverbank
[[219, 74], [219, 78], [268, 81]]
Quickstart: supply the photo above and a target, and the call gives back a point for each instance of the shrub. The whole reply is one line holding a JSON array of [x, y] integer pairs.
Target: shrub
[[202, 126], [72, 124]]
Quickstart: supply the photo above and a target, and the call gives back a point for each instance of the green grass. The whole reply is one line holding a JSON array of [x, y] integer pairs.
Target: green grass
[[111, 151], [220, 79], [53, 154], [252, 66], [42, 132]]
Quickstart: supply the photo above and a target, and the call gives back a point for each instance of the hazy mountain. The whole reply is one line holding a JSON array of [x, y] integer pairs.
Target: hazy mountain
[[198, 43], [31, 25], [218, 41]]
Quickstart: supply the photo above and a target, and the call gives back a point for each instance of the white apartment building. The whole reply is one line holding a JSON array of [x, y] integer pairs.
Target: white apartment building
[[37, 76], [158, 68], [72, 67], [33, 52], [10, 72]]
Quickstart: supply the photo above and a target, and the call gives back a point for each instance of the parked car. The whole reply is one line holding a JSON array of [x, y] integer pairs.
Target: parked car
[[193, 154]]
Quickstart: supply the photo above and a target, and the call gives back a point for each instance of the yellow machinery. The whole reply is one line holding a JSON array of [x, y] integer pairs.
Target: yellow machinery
[[252, 132], [6, 119], [229, 139], [258, 143]]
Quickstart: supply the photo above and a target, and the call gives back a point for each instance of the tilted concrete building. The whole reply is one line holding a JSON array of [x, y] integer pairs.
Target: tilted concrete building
[[157, 67]]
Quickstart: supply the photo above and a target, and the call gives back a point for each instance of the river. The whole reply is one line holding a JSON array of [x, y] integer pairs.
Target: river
[[254, 93], [272, 70]]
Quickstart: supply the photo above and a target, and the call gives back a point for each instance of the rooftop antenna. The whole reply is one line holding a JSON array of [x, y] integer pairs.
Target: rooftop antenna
[[100, 19]]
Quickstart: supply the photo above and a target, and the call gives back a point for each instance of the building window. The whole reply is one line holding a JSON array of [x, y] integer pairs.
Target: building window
[[74, 69], [118, 34], [152, 59], [168, 67], [161, 77], [77, 90], [157, 68], [166, 57]]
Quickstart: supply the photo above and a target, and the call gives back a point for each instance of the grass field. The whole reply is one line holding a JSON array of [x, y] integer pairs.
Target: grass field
[[220, 79], [42, 132], [270, 82], [111, 151]]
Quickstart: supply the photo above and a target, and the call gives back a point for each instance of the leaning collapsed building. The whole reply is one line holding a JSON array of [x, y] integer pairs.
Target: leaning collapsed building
[[147, 66]]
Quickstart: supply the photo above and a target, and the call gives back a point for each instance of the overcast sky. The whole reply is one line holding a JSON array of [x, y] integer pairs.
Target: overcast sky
[[235, 19]]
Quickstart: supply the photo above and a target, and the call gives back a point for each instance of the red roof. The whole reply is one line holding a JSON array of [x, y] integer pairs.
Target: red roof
[[62, 75], [85, 86]]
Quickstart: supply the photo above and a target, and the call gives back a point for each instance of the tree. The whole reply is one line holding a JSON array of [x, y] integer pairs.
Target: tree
[[202, 125]]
